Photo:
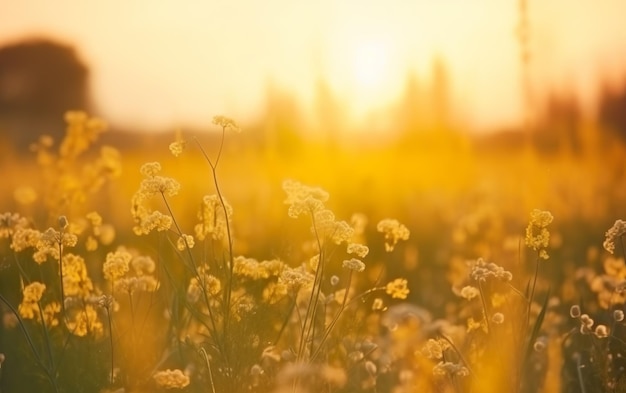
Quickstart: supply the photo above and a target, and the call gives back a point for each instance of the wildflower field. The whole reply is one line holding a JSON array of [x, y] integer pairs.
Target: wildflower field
[[207, 264]]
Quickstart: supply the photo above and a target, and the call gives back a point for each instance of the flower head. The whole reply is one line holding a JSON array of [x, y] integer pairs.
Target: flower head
[[212, 218], [303, 199], [177, 147], [357, 249], [482, 270], [497, 318], [469, 292], [450, 369], [184, 242], [354, 264], [226, 123], [32, 293], [434, 349], [537, 235], [397, 288], [393, 231], [614, 233], [116, 264]]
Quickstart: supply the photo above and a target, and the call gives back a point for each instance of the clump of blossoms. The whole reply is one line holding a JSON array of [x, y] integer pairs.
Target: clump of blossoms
[[357, 249], [303, 199], [58, 240], [435, 348], [171, 379], [177, 147], [450, 369], [252, 269], [68, 179], [480, 270], [152, 185], [81, 132], [310, 201], [76, 281], [130, 273], [84, 321], [394, 231], [31, 295], [616, 232], [537, 235], [226, 123], [203, 283], [10, 223], [398, 288], [353, 264], [116, 265], [30, 307], [212, 221], [469, 292], [184, 242]]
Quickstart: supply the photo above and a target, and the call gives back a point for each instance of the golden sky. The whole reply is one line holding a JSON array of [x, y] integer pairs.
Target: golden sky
[[163, 63]]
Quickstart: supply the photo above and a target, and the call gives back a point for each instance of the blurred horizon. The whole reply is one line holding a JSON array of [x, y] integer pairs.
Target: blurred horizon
[[170, 66]]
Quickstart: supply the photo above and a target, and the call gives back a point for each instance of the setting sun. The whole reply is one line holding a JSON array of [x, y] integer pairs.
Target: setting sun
[[371, 60]]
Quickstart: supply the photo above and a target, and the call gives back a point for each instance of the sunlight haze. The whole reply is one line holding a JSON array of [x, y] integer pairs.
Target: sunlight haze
[[162, 64]]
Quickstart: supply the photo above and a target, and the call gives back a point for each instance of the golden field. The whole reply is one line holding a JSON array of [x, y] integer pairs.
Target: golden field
[[240, 261]]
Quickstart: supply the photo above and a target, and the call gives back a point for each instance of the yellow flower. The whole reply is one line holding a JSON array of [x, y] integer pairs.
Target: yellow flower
[[469, 292], [171, 379], [76, 281], [10, 223], [150, 169], [177, 147], [24, 238], [393, 231], [255, 270], [359, 250], [537, 235], [226, 123], [211, 286], [275, 292], [32, 293], [354, 264], [497, 318], [450, 369], [397, 288], [116, 264], [81, 131], [84, 321], [212, 220], [434, 349], [614, 233], [49, 313], [303, 199], [94, 219], [184, 242]]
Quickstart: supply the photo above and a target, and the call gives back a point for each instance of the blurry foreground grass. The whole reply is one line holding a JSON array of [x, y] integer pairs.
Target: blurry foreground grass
[[434, 264]]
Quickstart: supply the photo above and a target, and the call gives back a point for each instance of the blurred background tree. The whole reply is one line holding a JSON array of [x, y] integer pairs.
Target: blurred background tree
[[40, 79]]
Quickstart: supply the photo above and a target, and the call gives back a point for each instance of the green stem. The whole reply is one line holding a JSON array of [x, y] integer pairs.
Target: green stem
[[485, 311], [110, 343], [335, 318], [38, 360]]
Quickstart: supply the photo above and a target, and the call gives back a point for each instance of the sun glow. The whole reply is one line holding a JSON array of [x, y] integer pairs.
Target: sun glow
[[365, 70], [370, 64]]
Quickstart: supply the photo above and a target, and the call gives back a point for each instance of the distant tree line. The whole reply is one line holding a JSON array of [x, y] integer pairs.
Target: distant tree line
[[41, 79]]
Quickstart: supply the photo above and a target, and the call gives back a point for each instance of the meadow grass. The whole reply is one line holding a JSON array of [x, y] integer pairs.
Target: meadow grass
[[199, 274]]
